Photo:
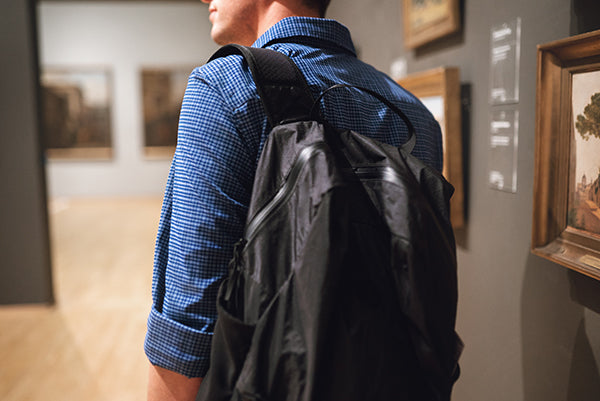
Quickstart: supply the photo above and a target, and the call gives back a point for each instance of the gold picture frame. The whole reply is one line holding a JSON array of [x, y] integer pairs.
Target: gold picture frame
[[428, 20], [439, 90], [565, 196]]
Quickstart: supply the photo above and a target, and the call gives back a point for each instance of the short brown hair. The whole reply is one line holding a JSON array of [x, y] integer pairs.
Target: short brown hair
[[320, 5]]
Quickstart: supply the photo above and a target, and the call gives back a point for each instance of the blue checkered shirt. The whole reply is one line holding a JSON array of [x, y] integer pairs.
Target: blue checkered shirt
[[222, 128]]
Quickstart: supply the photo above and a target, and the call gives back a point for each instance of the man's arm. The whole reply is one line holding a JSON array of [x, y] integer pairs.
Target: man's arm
[[166, 385], [203, 215]]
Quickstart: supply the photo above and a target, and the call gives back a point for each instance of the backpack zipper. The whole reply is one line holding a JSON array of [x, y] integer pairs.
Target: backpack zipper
[[284, 193], [384, 173]]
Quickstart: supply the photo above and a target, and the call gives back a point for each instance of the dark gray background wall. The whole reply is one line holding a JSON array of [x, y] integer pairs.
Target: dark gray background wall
[[531, 327], [25, 274]]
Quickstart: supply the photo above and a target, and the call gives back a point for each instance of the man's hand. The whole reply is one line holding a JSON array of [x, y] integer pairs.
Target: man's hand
[[166, 385]]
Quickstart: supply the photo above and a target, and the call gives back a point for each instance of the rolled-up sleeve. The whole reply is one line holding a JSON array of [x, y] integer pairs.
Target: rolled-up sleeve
[[203, 215]]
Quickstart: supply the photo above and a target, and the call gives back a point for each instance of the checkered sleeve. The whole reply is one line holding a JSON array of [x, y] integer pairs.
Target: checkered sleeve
[[203, 215]]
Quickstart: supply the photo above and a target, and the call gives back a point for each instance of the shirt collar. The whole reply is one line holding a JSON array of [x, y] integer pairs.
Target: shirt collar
[[321, 29]]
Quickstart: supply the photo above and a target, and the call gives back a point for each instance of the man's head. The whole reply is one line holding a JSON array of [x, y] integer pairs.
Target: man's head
[[243, 21]]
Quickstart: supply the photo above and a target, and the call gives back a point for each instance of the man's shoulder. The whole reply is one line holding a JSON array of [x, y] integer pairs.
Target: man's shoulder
[[228, 76], [220, 67]]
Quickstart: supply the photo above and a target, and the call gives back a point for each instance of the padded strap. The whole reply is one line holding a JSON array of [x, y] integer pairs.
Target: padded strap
[[283, 91]]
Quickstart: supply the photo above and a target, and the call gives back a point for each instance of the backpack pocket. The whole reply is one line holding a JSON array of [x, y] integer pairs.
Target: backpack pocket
[[231, 342]]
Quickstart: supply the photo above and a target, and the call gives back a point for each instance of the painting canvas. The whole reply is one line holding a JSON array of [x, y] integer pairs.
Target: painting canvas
[[435, 104], [426, 12], [428, 20], [584, 199], [76, 113], [162, 94]]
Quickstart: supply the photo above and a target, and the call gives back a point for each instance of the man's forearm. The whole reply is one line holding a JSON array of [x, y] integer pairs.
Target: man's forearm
[[166, 385]]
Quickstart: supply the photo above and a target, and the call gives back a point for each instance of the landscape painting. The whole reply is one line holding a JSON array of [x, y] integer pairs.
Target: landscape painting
[[162, 94], [584, 208], [76, 113], [426, 12], [429, 20], [566, 219]]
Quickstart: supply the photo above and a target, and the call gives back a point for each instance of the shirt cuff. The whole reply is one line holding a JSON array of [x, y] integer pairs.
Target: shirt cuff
[[176, 347]]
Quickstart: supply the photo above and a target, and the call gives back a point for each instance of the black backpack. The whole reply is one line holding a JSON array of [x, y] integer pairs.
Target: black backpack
[[344, 286]]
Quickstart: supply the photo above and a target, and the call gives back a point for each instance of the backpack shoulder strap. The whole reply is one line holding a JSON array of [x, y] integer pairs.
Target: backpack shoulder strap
[[282, 88]]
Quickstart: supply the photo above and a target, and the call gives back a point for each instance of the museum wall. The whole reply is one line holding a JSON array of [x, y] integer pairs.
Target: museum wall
[[25, 274], [531, 328], [123, 37]]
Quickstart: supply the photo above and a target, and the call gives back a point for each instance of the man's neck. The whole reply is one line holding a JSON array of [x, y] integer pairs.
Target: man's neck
[[279, 10]]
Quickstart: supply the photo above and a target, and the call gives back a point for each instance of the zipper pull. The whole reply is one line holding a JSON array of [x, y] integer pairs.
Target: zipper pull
[[235, 268]]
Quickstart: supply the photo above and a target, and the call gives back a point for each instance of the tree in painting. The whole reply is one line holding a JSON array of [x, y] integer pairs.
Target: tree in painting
[[586, 211], [588, 123]]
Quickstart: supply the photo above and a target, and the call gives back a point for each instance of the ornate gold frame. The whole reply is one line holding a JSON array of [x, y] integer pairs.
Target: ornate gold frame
[[552, 238]]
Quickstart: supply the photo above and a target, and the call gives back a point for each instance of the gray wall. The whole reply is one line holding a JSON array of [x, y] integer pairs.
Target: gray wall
[[24, 251], [531, 327]]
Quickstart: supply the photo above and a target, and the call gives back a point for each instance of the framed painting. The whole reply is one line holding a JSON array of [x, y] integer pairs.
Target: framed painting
[[566, 213], [439, 90], [76, 113], [428, 20], [162, 94]]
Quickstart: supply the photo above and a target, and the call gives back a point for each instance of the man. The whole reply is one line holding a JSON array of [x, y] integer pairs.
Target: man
[[221, 131]]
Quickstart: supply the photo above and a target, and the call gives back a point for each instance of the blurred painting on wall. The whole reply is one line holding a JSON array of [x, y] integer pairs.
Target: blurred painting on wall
[[439, 90], [76, 113], [162, 94], [428, 20]]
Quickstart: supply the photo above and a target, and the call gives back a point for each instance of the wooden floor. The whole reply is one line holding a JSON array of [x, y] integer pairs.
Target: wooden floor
[[89, 346]]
